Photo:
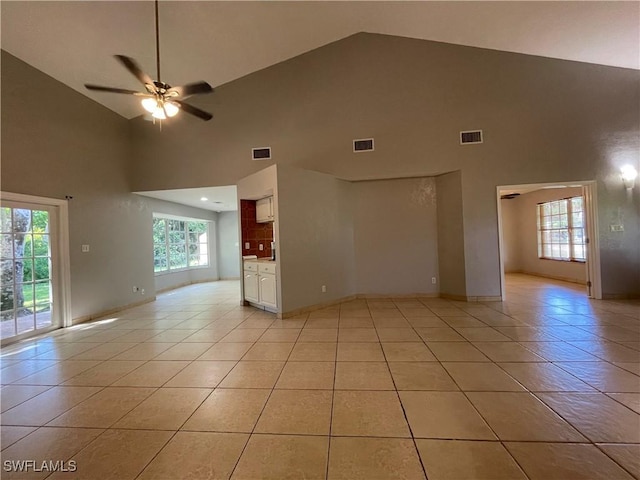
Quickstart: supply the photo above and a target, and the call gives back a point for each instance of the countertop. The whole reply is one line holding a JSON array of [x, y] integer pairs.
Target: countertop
[[260, 260]]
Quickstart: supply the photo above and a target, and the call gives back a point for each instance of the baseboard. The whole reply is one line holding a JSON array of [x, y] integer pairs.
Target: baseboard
[[620, 296], [186, 284], [225, 278], [397, 295], [554, 277], [111, 311], [313, 308], [471, 298]]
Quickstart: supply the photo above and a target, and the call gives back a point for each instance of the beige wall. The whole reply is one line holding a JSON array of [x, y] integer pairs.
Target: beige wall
[[228, 246], [56, 142], [395, 235], [451, 235], [520, 235], [544, 120], [315, 244]]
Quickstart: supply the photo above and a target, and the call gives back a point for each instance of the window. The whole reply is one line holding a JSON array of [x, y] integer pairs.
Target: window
[[179, 244], [561, 230]]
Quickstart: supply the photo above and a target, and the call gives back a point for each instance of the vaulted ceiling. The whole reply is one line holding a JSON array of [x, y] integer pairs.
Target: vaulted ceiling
[[218, 42]]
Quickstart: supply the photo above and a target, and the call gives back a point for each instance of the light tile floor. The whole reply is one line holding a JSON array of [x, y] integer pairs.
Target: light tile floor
[[543, 386]]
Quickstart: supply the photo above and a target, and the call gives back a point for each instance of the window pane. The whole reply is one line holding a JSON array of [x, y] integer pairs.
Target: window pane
[[21, 220], [576, 204], [6, 245], [176, 237], [43, 293], [159, 230], [41, 268], [577, 219], [5, 220], [555, 208], [41, 245], [564, 252], [564, 237], [26, 265], [194, 260], [25, 249], [6, 297], [564, 220], [578, 236], [40, 222], [579, 252], [177, 256], [555, 251], [197, 227], [193, 237]]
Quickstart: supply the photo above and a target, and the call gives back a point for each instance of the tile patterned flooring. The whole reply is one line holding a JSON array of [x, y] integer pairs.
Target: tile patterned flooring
[[543, 386]]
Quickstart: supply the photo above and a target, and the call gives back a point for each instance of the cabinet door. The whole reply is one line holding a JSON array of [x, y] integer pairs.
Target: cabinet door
[[264, 210], [251, 287], [268, 290]]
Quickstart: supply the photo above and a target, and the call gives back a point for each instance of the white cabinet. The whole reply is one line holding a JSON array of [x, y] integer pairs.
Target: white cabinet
[[260, 284], [264, 210], [267, 285], [250, 279]]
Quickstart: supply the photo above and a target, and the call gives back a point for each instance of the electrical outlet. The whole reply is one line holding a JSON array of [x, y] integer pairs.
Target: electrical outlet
[[247, 246], [433, 280], [142, 291], [617, 228], [260, 247], [135, 289], [85, 248], [324, 289]]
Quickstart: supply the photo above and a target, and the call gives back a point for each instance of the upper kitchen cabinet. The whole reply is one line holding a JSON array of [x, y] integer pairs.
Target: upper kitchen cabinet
[[264, 210]]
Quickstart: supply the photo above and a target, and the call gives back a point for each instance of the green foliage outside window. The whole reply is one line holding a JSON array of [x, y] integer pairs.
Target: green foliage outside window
[[179, 244]]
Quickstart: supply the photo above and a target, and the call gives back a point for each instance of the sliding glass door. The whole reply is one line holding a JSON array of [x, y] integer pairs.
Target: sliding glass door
[[29, 283]]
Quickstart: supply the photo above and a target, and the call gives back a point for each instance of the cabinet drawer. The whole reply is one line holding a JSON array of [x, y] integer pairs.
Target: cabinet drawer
[[267, 268], [250, 266]]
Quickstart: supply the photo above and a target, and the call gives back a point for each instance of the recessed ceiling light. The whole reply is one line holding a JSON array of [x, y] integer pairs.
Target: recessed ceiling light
[[204, 199]]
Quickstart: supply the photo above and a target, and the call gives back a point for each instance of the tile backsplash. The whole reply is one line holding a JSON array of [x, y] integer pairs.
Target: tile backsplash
[[254, 233]]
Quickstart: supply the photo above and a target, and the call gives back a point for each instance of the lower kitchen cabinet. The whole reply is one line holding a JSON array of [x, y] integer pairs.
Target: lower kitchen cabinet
[[260, 284], [268, 290]]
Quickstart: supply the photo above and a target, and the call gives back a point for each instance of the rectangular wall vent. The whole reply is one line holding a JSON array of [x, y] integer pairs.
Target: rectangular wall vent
[[363, 145], [470, 137], [262, 153]]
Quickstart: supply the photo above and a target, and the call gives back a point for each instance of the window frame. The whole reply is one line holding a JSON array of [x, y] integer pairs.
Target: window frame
[[167, 243], [569, 228]]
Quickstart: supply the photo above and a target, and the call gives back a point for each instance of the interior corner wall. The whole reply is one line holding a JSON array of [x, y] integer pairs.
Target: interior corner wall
[[451, 246], [169, 280], [315, 239], [62, 143], [228, 246], [395, 236]]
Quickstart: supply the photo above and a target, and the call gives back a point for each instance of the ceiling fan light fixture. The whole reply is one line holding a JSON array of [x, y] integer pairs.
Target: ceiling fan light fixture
[[154, 107], [149, 104]]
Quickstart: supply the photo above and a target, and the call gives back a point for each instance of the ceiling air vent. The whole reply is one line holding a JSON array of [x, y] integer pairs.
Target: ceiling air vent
[[470, 137], [363, 145], [262, 153]]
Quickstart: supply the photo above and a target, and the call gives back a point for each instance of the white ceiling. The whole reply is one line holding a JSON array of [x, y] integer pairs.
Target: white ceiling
[[218, 199], [221, 41]]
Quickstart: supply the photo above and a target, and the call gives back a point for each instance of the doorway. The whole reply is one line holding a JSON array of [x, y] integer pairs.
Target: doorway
[[550, 230], [34, 293]]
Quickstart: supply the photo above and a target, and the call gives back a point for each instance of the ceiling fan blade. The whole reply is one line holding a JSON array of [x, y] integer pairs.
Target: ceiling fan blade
[[185, 91], [193, 110], [100, 88], [131, 65]]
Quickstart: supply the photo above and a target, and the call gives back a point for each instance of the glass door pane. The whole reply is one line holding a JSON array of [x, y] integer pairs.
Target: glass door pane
[[27, 292]]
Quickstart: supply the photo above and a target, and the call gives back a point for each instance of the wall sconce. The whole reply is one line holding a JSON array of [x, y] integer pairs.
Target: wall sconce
[[629, 175]]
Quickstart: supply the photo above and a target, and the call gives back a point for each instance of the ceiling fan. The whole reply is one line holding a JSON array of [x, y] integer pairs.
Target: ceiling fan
[[161, 99]]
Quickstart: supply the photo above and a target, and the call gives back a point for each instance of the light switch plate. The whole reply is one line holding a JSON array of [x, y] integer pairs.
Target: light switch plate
[[85, 248], [247, 246], [617, 228]]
